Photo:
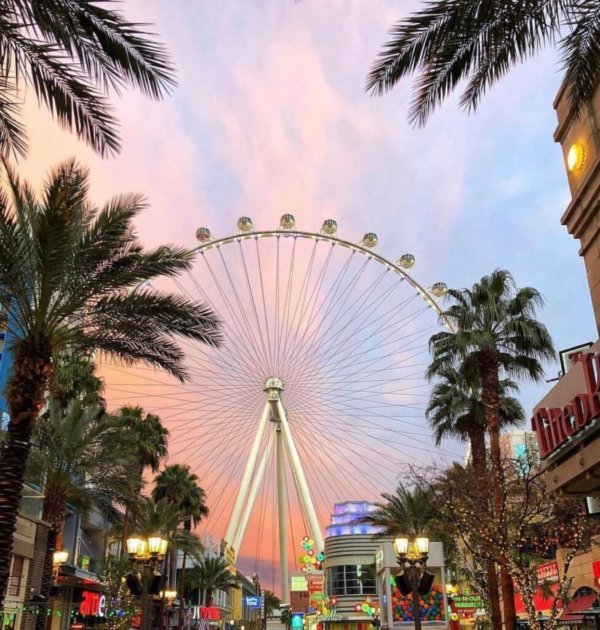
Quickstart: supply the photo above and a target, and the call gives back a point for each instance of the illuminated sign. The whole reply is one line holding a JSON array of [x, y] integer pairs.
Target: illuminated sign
[[555, 425], [297, 621], [547, 572], [253, 601], [205, 612], [93, 604], [467, 601]]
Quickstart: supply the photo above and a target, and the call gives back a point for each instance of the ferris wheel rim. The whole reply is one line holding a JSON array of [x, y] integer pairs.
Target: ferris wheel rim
[[427, 296]]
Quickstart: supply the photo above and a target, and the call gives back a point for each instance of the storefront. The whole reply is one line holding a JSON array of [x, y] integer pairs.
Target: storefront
[[396, 609]]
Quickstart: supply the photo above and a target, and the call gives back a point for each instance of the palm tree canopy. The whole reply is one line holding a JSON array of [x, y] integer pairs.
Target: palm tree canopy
[[494, 325], [479, 41], [149, 433], [456, 405], [71, 276], [72, 53], [159, 517], [405, 512], [211, 573], [271, 603], [82, 458], [179, 487]]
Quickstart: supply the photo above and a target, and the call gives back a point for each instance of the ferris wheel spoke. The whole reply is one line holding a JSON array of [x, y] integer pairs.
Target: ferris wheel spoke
[[264, 345], [237, 337], [345, 334], [336, 307], [233, 336], [260, 356], [293, 326], [264, 305]]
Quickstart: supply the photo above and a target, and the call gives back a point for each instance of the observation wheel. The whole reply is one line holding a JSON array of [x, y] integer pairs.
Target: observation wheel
[[317, 395]]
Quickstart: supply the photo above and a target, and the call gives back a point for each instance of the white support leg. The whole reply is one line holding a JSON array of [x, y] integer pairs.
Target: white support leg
[[256, 482], [242, 497], [300, 478], [282, 504]]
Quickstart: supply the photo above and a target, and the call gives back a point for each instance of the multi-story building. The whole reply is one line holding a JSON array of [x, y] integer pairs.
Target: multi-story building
[[350, 548], [567, 419]]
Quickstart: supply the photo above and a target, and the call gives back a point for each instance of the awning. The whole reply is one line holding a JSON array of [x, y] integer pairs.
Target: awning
[[579, 604]]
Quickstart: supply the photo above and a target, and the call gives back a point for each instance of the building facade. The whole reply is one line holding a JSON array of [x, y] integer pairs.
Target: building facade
[[566, 420]]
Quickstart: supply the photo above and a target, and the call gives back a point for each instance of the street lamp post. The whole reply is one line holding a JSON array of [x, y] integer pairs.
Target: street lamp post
[[146, 553], [413, 561]]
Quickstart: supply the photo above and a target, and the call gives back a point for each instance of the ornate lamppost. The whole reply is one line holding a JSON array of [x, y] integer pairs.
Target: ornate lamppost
[[414, 578], [146, 553]]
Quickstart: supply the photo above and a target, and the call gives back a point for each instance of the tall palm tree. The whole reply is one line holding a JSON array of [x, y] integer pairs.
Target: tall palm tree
[[150, 437], [72, 53], [448, 42], [179, 487], [81, 458], [456, 409], [70, 276], [495, 335], [211, 574]]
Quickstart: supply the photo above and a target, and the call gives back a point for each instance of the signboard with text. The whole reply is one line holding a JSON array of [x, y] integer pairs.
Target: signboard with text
[[253, 601]]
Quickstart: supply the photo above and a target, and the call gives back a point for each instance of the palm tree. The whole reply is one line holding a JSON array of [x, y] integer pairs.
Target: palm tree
[[150, 437], [72, 53], [159, 517], [179, 487], [405, 512], [82, 459], [456, 410], [271, 603], [211, 574], [71, 277], [448, 42], [495, 333]]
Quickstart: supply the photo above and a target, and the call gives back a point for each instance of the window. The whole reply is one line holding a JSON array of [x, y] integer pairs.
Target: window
[[351, 579], [16, 575]]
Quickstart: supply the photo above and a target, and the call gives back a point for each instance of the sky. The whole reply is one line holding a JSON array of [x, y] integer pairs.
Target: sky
[[270, 116]]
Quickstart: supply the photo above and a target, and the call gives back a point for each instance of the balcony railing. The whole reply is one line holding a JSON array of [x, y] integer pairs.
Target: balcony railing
[[32, 503]]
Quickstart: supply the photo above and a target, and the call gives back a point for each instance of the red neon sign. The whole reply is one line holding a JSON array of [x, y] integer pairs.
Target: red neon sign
[[554, 426], [93, 604]]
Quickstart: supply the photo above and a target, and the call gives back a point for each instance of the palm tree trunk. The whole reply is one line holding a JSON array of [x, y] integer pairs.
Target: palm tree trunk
[[491, 401], [208, 596], [478, 457], [181, 590], [54, 512], [25, 397]]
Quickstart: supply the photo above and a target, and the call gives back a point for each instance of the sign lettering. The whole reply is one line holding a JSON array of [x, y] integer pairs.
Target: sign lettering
[[554, 426], [93, 604]]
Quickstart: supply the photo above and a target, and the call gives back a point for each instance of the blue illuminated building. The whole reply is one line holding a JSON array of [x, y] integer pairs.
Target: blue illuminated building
[[345, 520]]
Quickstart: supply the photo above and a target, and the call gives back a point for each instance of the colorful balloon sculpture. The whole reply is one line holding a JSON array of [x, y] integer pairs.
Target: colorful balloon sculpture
[[432, 605]]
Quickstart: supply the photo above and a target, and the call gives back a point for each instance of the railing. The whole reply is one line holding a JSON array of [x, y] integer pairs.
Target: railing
[[32, 503]]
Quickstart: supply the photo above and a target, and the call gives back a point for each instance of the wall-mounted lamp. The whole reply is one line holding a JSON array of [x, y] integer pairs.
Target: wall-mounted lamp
[[576, 157]]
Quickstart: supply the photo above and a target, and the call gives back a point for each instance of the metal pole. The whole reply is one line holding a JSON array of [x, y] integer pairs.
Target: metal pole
[[299, 477], [146, 621], [256, 481], [414, 582], [282, 505], [242, 497]]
